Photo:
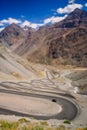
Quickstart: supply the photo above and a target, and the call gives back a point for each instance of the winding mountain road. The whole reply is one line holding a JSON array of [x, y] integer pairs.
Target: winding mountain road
[[69, 107]]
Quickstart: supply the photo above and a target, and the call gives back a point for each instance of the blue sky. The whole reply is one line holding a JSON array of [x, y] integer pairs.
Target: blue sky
[[35, 13]]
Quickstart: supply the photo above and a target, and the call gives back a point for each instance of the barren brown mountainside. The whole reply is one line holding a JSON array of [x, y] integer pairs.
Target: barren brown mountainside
[[64, 42], [13, 35]]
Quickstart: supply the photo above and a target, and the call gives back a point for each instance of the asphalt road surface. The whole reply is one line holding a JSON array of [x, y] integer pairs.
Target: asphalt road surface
[[69, 109]]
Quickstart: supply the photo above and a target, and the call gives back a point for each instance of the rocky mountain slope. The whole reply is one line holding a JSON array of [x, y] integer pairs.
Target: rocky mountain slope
[[14, 68], [61, 43], [74, 19], [13, 35], [64, 42]]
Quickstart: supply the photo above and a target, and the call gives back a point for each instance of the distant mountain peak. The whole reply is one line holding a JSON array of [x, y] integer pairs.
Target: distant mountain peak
[[77, 9], [13, 34], [77, 13], [74, 19], [13, 25]]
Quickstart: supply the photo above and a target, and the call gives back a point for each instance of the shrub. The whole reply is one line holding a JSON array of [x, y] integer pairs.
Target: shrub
[[67, 122]]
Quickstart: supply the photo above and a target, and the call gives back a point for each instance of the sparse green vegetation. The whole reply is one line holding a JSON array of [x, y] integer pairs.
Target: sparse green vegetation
[[67, 122], [61, 127], [4, 125], [82, 128], [23, 124], [37, 128], [44, 123], [22, 120]]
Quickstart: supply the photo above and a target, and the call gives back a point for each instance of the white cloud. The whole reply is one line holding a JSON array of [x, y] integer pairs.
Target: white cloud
[[54, 19], [9, 21], [25, 23], [85, 4], [29, 24], [34, 25], [22, 24], [69, 8], [2, 29], [71, 1], [1, 24]]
